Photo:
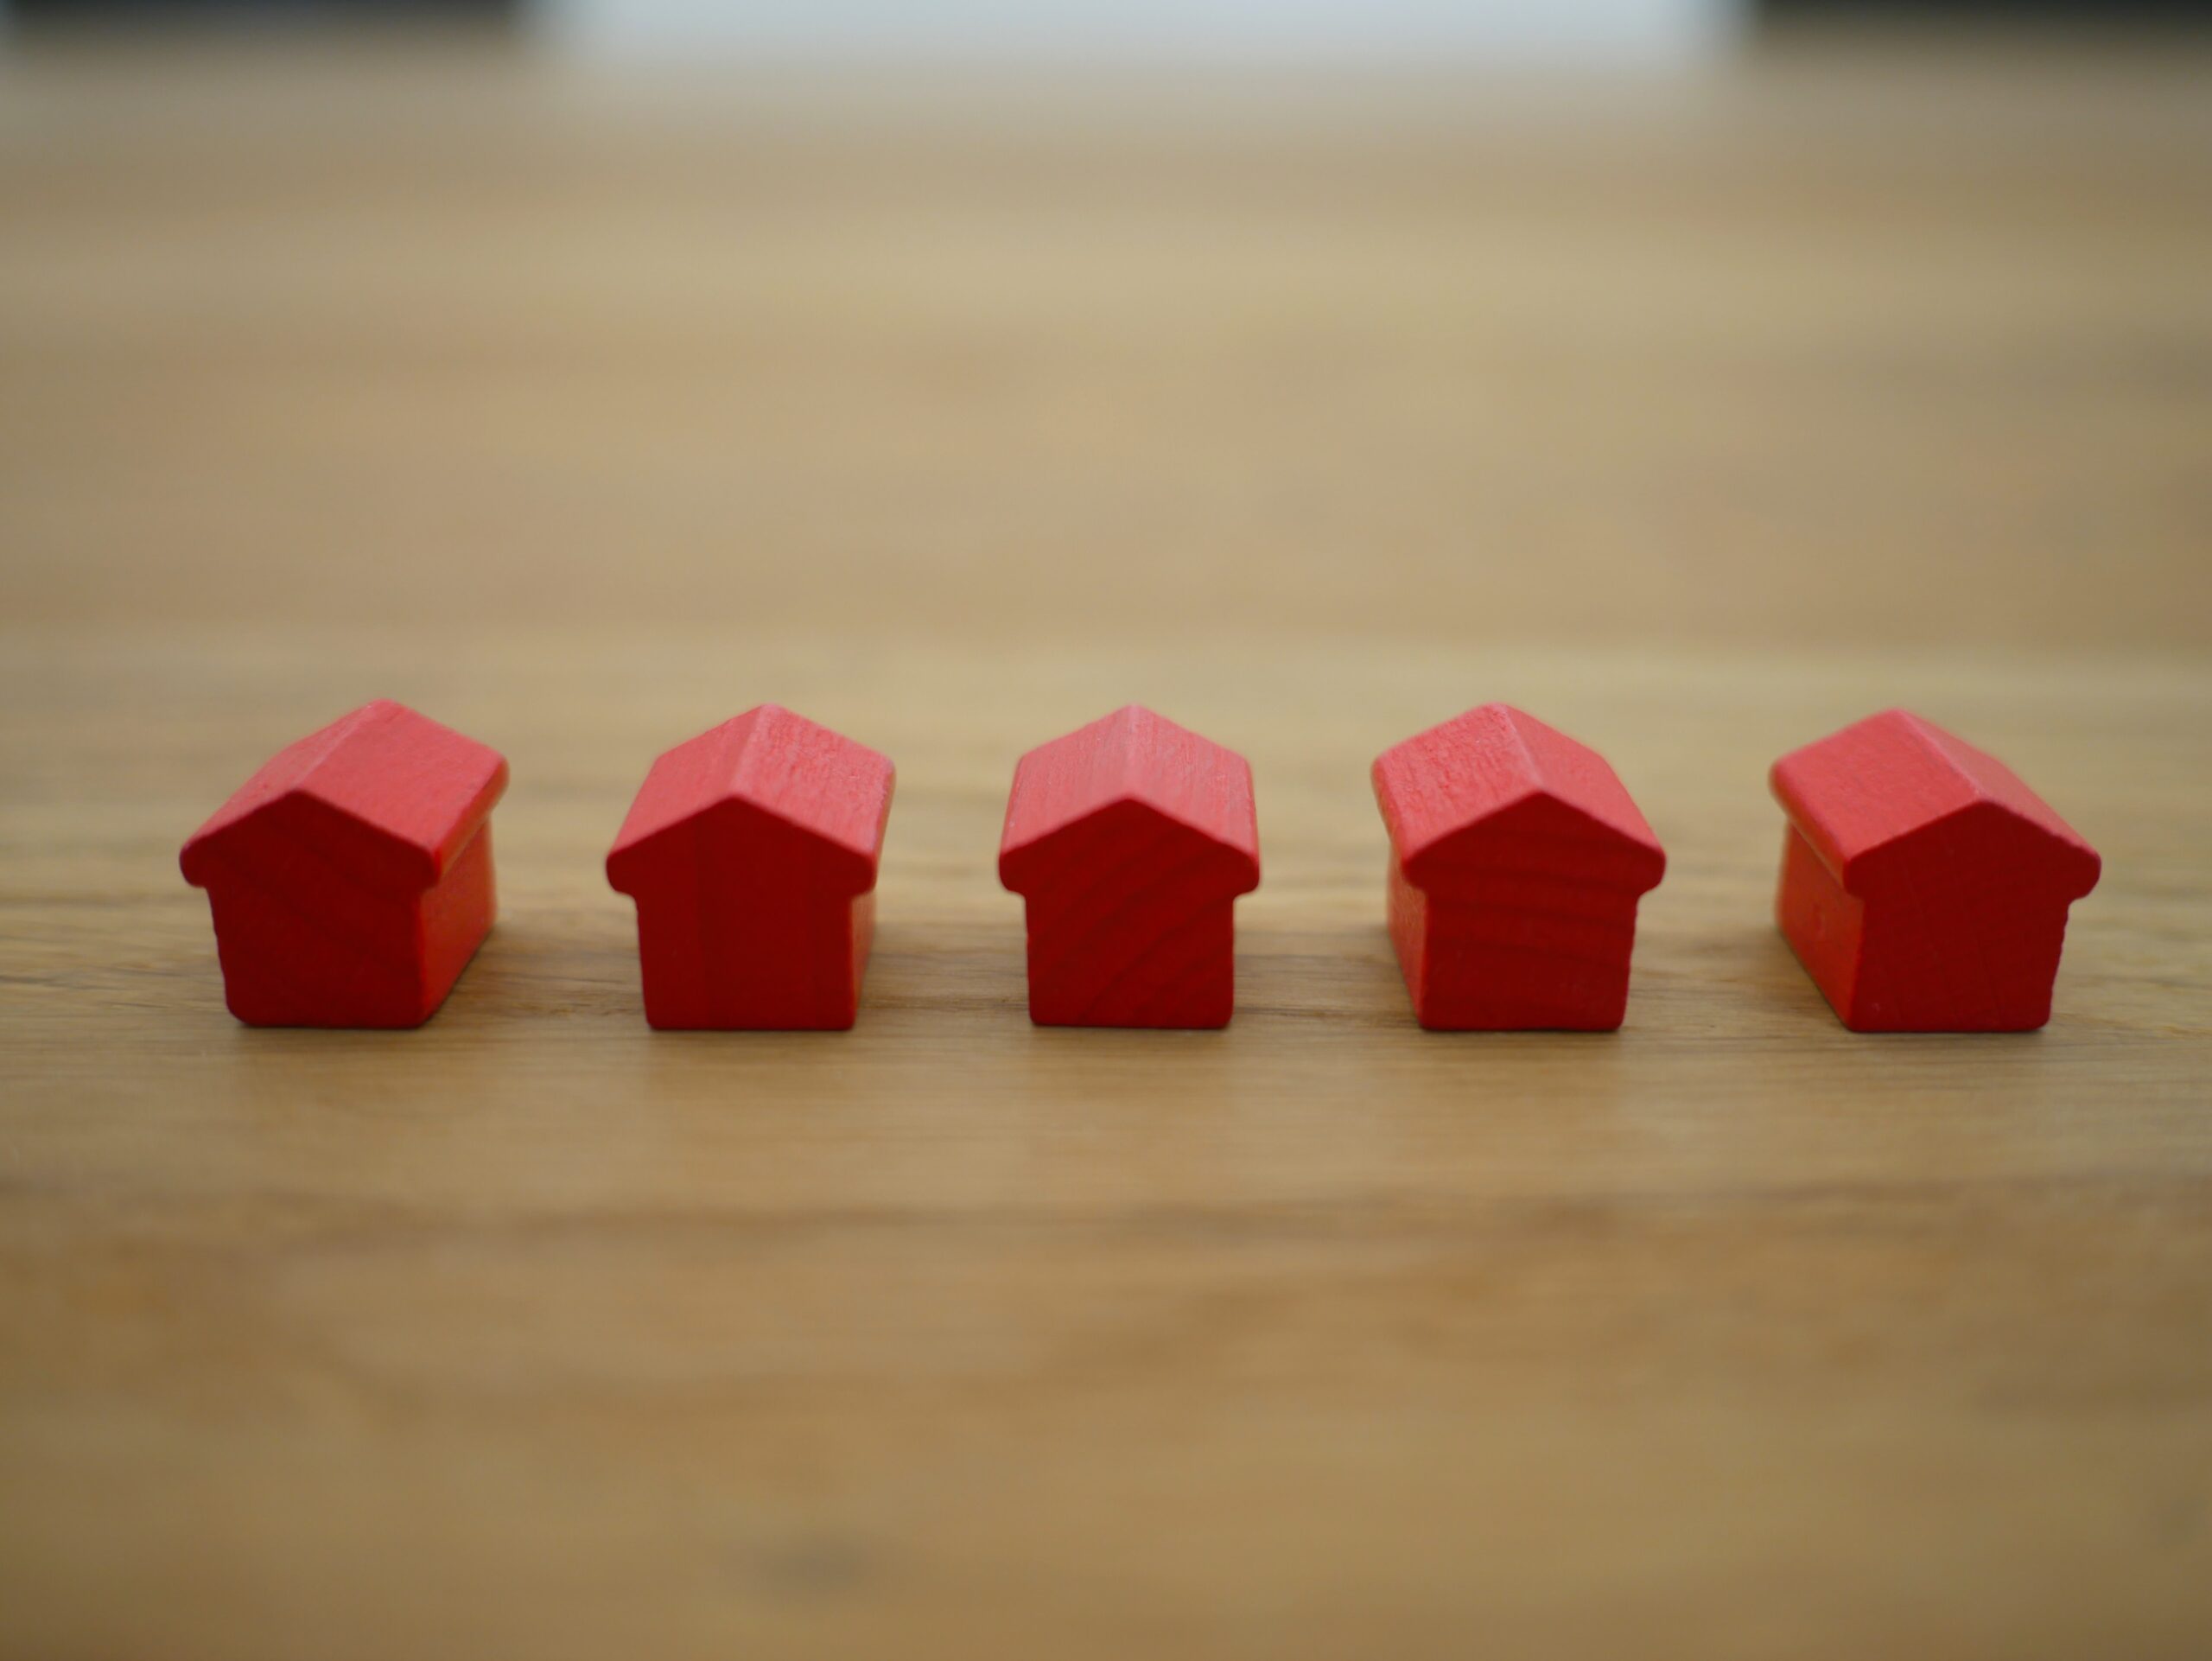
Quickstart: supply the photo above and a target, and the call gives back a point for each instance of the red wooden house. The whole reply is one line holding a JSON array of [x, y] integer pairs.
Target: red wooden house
[[751, 853], [351, 878], [1129, 840], [1516, 860], [1925, 887]]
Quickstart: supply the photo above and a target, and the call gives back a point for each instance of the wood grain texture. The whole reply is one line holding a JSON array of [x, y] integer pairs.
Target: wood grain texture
[[580, 418]]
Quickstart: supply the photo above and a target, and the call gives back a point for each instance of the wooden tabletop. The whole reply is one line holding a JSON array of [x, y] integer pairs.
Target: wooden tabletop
[[580, 413]]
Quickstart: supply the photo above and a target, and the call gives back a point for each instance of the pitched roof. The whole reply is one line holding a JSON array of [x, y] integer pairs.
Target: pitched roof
[[1884, 779], [1467, 772], [1133, 755], [782, 764], [421, 788]]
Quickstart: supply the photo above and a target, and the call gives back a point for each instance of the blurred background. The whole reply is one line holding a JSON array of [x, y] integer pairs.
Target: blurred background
[[1619, 319]]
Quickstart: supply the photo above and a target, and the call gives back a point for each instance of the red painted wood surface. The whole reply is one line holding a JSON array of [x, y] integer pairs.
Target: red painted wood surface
[[351, 877], [1924, 887], [752, 852], [1129, 840], [1516, 860]]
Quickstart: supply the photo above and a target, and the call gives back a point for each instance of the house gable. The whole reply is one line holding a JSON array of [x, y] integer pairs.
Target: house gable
[[1071, 798], [1894, 802], [1540, 837], [767, 779], [1130, 845], [1982, 852], [1495, 785], [382, 797]]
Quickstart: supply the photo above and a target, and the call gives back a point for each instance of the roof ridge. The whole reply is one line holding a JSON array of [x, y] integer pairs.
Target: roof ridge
[[1125, 723], [337, 732], [1941, 742], [736, 749], [1931, 738], [1538, 781]]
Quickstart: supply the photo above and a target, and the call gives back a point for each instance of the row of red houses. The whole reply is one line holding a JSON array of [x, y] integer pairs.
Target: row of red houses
[[1923, 886]]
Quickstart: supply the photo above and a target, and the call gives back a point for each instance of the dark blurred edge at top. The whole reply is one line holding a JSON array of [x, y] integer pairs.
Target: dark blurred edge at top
[[2067, 11], [101, 13]]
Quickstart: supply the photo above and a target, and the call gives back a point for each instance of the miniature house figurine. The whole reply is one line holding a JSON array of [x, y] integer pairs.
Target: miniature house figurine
[[1129, 840], [1516, 860], [1925, 887], [351, 878], [751, 853]]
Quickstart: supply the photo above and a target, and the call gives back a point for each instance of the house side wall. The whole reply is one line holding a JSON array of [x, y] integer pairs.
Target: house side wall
[[456, 913], [1824, 924], [1408, 914], [863, 929]]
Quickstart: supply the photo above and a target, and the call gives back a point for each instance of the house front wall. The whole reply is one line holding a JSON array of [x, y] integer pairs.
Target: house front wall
[[739, 929], [1131, 921], [1962, 963], [1155, 965], [313, 931], [1508, 952], [304, 942]]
